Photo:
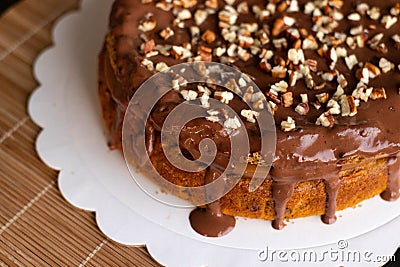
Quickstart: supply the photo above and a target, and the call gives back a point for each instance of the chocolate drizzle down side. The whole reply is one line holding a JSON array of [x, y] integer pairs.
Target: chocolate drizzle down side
[[210, 221], [340, 62]]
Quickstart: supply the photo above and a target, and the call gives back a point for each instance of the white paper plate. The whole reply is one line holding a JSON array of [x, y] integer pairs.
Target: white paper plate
[[94, 178]]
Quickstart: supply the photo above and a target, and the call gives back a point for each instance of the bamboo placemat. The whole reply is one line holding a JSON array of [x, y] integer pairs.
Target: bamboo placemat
[[37, 226]]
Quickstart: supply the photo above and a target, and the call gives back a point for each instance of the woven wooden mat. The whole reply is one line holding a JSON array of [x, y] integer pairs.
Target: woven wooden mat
[[37, 226]]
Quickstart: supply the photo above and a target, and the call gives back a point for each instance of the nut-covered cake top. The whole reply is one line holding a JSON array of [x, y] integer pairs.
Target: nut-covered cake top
[[333, 64]]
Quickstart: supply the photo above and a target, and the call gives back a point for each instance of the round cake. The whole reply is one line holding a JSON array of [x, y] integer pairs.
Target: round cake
[[329, 71]]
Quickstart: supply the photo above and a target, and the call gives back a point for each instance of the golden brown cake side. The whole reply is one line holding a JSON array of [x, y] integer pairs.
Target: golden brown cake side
[[367, 179]]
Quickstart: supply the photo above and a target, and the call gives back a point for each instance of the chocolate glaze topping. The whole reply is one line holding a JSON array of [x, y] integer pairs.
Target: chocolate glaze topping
[[307, 151]]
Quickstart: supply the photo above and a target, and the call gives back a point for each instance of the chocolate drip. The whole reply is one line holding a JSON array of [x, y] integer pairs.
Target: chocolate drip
[[207, 222], [332, 185], [210, 221], [281, 192], [392, 191]]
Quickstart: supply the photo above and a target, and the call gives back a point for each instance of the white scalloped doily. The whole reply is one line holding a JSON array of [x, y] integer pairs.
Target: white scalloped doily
[[94, 178]]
